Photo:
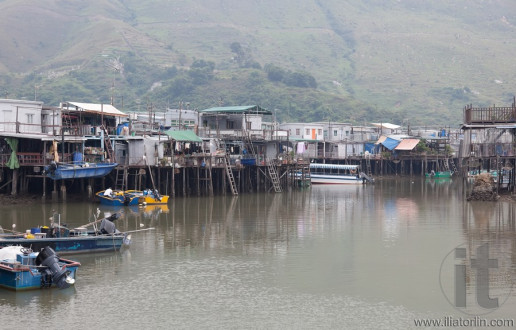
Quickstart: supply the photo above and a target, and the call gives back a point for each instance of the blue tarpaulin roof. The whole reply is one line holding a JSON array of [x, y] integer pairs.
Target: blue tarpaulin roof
[[390, 143]]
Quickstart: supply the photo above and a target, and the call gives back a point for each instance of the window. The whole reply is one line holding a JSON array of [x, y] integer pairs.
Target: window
[[334, 132], [248, 124], [319, 131], [307, 131], [30, 118], [230, 125], [298, 131], [347, 133]]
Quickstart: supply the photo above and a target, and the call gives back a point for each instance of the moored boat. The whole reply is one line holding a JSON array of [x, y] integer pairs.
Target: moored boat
[[335, 174], [78, 170], [439, 174], [23, 269], [118, 197], [151, 197], [63, 240]]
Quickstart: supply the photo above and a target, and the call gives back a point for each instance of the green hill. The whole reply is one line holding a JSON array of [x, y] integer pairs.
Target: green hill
[[357, 60]]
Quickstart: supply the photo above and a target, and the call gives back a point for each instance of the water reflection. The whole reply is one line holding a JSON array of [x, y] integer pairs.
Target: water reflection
[[299, 257]]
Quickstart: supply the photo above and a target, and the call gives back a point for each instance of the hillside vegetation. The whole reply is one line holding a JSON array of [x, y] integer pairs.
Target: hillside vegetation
[[359, 60]]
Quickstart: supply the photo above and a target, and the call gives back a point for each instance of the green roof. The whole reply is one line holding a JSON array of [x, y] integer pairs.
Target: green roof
[[242, 109], [303, 140], [183, 136]]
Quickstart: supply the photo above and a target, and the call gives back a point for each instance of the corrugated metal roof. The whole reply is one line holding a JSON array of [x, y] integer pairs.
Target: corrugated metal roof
[[183, 136], [407, 144], [251, 109], [106, 109], [381, 139], [386, 125]]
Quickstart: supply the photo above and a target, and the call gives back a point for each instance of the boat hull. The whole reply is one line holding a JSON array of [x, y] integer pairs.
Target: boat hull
[[79, 171], [149, 200], [26, 271], [119, 199], [445, 174], [335, 179], [70, 245]]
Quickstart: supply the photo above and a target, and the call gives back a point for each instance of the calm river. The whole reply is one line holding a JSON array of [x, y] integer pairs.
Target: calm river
[[359, 257]]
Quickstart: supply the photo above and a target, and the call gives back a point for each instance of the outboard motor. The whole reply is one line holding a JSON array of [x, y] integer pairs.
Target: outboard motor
[[108, 228], [59, 276], [113, 217], [50, 168]]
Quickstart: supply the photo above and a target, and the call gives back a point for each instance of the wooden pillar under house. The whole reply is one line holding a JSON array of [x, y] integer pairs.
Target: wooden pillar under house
[[184, 181], [14, 182]]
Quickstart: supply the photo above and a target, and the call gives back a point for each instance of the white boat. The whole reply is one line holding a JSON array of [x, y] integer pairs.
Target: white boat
[[336, 174]]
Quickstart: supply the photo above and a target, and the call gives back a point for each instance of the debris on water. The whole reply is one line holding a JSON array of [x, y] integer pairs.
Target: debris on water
[[484, 188]]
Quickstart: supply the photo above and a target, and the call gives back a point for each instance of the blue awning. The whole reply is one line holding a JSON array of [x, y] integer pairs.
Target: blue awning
[[390, 143]]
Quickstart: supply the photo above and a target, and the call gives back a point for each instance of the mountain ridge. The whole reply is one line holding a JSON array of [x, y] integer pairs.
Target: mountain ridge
[[399, 58]]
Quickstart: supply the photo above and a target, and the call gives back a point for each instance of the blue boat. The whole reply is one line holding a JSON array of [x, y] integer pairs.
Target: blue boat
[[78, 170], [118, 197], [71, 241], [23, 269]]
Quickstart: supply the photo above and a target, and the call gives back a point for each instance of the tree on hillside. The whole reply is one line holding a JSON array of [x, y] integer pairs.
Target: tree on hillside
[[274, 73], [201, 71]]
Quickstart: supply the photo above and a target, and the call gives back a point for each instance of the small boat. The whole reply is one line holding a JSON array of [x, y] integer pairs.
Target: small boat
[[439, 174], [151, 197], [336, 174], [23, 269], [118, 197], [67, 241], [78, 170]]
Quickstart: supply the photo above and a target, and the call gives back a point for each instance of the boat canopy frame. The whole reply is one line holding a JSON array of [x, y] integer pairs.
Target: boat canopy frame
[[334, 166]]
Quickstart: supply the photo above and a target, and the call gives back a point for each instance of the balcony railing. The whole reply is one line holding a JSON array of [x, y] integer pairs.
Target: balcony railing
[[490, 115], [33, 158]]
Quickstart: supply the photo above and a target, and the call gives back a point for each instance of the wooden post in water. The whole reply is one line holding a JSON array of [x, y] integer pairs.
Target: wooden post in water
[[63, 191], [54, 192], [172, 185], [14, 183], [223, 173], [184, 181]]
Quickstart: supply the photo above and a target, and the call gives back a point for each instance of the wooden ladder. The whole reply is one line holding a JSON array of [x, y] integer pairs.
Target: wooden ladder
[[229, 174], [108, 146], [454, 167], [121, 178], [273, 173], [446, 165]]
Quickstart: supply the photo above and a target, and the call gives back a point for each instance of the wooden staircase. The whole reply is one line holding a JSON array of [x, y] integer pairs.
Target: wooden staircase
[[446, 165], [107, 144], [227, 166], [121, 178], [229, 173], [454, 167], [273, 173]]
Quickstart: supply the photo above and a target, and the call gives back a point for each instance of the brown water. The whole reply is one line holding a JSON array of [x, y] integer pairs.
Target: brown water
[[357, 257]]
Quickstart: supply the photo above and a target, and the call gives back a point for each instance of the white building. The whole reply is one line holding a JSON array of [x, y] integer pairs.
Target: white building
[[20, 116], [304, 131]]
